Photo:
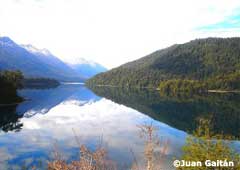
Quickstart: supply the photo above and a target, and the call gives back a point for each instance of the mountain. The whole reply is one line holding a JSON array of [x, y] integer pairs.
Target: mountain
[[52, 61], [86, 67], [34, 62], [200, 59]]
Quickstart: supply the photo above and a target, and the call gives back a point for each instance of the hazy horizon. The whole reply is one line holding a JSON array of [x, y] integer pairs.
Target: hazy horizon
[[115, 32]]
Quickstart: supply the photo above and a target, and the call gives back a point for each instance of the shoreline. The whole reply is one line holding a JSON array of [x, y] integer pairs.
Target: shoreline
[[10, 104], [157, 89], [224, 91], [209, 91], [72, 83]]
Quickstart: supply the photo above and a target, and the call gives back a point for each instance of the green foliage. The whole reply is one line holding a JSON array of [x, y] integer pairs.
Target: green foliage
[[176, 86], [181, 86], [201, 60], [9, 82], [225, 82], [13, 77], [204, 145]]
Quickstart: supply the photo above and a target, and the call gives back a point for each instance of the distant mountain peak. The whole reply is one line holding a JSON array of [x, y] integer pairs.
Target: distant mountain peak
[[6, 41], [81, 61], [32, 49], [85, 67], [35, 62]]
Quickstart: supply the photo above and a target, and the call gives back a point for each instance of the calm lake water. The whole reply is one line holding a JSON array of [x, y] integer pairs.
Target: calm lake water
[[52, 118]]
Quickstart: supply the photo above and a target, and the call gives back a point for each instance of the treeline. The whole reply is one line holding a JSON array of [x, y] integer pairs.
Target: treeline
[[214, 61], [225, 82], [182, 86], [39, 83], [10, 81], [229, 82]]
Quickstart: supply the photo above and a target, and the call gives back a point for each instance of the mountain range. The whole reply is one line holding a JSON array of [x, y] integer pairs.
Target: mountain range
[[215, 60], [35, 62]]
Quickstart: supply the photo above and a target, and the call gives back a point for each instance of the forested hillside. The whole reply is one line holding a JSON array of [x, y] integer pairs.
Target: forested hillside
[[211, 60]]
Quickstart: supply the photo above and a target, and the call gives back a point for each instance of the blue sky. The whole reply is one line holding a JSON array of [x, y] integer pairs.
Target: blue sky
[[230, 23], [113, 32]]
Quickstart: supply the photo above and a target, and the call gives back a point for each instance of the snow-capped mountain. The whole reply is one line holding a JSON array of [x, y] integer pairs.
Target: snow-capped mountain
[[80, 61], [34, 62], [86, 67], [82, 66], [49, 59], [35, 50]]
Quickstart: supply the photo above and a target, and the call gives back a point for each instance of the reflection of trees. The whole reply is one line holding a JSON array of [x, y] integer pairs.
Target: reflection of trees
[[9, 120], [40, 83], [181, 112]]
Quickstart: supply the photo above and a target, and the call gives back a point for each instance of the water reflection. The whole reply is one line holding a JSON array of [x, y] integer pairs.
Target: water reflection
[[50, 115], [40, 101], [9, 120], [181, 112], [58, 114]]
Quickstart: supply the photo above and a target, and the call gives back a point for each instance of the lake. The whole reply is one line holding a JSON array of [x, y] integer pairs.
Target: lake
[[71, 114]]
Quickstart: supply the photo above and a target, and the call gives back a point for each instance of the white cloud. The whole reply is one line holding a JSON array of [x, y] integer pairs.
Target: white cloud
[[110, 32], [115, 123]]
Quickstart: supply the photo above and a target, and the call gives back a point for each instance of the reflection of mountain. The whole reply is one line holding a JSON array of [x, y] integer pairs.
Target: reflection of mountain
[[181, 112], [41, 101], [9, 120]]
